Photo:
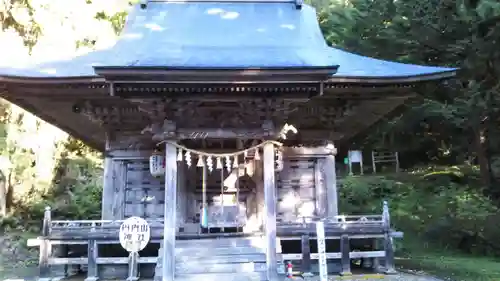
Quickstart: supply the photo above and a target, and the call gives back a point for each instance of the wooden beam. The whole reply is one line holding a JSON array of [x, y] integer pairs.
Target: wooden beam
[[305, 151], [236, 133], [170, 212], [214, 133], [270, 212]]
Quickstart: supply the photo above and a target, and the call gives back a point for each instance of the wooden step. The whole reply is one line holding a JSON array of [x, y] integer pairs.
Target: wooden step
[[219, 251], [239, 258], [255, 276], [222, 242], [201, 268]]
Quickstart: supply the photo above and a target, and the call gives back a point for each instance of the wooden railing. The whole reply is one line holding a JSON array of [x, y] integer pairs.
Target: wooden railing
[[95, 232], [90, 233], [345, 228]]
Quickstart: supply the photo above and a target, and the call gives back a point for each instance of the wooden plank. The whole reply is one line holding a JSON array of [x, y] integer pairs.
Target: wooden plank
[[168, 270], [270, 212], [291, 152], [352, 255], [216, 133], [153, 260], [114, 260]]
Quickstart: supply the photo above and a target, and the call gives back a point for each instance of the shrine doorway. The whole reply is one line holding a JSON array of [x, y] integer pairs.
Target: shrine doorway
[[225, 194]]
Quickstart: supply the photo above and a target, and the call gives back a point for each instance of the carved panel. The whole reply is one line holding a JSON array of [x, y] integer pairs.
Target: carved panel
[[236, 113], [112, 113]]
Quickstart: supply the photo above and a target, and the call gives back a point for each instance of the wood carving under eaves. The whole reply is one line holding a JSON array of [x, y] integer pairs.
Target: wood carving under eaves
[[112, 114], [214, 113], [324, 113]]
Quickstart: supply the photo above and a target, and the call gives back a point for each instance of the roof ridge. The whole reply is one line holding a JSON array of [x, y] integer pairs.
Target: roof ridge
[[298, 3]]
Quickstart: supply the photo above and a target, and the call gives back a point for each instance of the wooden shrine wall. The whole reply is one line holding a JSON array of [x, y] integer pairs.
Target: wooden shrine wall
[[298, 186], [130, 190]]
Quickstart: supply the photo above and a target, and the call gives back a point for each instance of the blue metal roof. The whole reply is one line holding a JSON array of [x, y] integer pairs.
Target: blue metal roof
[[228, 35]]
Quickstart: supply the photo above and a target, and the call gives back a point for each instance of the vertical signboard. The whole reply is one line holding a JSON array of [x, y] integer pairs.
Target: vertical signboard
[[320, 234]]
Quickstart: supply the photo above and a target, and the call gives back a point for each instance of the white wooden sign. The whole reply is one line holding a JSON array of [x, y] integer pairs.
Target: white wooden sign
[[355, 156], [320, 236], [134, 234]]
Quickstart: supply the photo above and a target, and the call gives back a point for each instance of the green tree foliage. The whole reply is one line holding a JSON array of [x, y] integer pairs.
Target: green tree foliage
[[447, 214], [73, 187], [21, 16], [459, 117]]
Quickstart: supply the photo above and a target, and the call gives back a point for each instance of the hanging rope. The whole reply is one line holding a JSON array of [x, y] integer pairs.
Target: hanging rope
[[222, 197], [220, 155]]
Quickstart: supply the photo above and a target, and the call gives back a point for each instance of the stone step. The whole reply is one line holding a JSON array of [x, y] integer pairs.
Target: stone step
[[260, 257], [255, 276], [201, 268]]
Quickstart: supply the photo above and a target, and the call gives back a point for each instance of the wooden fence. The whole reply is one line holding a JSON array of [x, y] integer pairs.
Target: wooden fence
[[95, 232]]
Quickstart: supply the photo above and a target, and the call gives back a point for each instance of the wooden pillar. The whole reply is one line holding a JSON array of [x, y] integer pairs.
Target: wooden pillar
[[319, 188], [108, 195], [345, 259], [330, 179], [92, 254], [45, 246], [270, 211], [388, 244], [170, 213], [181, 196], [306, 256]]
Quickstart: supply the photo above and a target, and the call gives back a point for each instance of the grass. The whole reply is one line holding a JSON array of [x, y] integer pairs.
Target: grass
[[15, 259], [448, 264]]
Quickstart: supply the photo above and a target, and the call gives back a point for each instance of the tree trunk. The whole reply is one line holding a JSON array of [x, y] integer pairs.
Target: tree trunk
[[9, 194], [3, 195], [482, 157]]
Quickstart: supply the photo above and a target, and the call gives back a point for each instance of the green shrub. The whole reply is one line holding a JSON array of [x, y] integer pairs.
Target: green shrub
[[75, 194], [450, 215]]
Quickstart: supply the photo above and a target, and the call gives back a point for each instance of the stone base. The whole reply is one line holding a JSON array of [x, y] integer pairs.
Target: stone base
[[345, 273], [391, 271], [307, 274]]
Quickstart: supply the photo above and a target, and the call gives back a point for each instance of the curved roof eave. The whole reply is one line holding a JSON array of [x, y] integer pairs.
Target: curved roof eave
[[433, 76], [224, 35]]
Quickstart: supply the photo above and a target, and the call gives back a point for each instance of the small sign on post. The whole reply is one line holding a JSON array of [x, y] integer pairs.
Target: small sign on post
[[134, 237], [320, 236]]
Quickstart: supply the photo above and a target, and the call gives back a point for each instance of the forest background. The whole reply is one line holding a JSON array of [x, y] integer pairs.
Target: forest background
[[447, 200]]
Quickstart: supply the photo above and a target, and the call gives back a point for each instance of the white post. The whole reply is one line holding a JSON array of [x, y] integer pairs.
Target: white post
[[331, 182], [270, 211], [170, 212]]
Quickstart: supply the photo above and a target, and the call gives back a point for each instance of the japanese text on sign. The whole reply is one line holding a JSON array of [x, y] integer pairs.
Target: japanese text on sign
[[134, 234], [320, 234]]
